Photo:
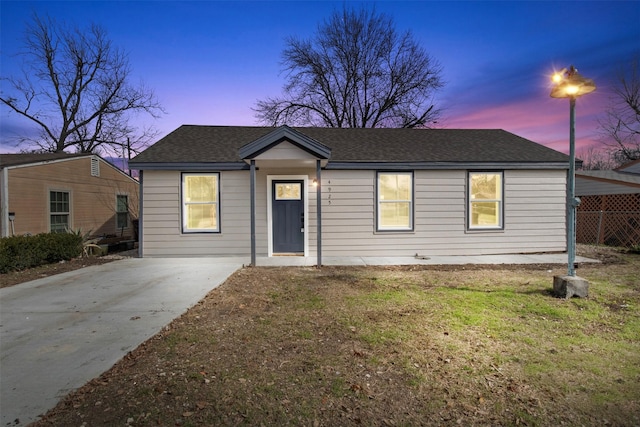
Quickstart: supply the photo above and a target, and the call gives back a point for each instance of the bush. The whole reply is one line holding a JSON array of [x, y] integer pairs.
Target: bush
[[22, 252]]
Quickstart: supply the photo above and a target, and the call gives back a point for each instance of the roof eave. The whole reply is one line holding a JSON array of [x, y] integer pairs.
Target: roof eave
[[445, 165], [189, 166]]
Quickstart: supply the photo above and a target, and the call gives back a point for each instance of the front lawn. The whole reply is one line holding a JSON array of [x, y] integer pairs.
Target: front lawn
[[391, 346]]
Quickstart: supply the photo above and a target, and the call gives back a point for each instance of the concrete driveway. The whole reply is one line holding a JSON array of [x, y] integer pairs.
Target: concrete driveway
[[59, 332]]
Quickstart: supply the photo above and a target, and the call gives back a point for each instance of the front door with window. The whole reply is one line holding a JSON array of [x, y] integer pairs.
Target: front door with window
[[288, 217]]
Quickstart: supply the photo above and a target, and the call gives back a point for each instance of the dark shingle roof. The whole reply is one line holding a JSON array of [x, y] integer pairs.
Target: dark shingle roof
[[220, 144], [25, 159]]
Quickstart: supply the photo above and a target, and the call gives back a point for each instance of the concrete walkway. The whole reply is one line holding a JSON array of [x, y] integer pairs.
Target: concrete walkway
[[59, 332], [557, 258]]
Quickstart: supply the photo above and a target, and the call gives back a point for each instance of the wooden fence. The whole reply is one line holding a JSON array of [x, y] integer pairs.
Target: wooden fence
[[612, 220]]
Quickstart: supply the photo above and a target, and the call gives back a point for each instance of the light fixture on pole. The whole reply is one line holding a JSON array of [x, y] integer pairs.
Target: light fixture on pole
[[569, 84]]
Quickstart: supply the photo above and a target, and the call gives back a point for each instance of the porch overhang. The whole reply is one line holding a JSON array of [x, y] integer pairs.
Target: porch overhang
[[315, 150], [287, 148]]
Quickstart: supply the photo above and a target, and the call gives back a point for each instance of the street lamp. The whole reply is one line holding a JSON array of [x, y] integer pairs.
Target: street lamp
[[570, 84]]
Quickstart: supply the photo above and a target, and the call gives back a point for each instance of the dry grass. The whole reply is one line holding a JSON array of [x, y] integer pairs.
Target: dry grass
[[384, 346]]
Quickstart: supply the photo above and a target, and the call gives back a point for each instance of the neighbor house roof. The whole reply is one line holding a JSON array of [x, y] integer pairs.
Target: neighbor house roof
[[11, 161], [353, 147], [29, 158], [612, 176], [631, 167]]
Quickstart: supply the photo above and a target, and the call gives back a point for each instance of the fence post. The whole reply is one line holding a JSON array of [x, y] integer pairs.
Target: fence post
[[600, 231]]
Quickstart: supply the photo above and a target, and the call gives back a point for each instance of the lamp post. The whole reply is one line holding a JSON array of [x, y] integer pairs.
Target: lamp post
[[570, 84]]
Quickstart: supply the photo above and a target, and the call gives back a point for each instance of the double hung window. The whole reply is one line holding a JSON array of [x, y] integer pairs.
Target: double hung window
[[394, 201], [486, 193], [200, 203], [122, 211], [59, 211]]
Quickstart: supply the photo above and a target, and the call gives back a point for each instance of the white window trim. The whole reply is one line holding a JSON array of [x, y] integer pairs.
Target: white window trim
[[305, 189], [500, 226], [379, 228], [183, 205], [49, 213], [118, 212]]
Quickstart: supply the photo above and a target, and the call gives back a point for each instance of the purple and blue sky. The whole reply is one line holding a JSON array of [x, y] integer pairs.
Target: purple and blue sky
[[209, 61]]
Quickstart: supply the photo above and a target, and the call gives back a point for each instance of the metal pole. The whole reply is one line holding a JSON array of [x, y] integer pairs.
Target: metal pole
[[571, 198], [253, 212], [319, 211]]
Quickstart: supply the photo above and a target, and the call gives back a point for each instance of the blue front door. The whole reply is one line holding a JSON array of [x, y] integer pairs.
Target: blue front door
[[288, 216]]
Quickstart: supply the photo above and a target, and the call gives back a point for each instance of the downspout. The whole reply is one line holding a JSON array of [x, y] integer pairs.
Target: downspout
[[4, 202], [140, 217], [253, 212], [319, 211]]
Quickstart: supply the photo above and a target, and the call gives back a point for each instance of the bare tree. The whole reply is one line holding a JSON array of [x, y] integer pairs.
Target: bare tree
[[75, 88], [598, 158], [621, 123], [358, 71]]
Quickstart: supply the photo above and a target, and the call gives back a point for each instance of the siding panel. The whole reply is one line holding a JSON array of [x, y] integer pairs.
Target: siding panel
[[534, 220], [92, 198]]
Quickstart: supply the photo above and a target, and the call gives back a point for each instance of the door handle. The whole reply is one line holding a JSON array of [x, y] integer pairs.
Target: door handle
[[302, 222]]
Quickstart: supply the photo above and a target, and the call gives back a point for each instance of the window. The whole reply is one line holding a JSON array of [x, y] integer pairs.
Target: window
[[485, 200], [59, 211], [200, 203], [395, 201], [288, 191], [122, 211]]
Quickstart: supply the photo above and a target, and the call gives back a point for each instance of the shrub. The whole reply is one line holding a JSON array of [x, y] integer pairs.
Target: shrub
[[21, 252]]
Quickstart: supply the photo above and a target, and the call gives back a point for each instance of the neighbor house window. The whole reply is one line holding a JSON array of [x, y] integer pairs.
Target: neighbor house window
[[59, 211], [200, 202], [122, 211], [486, 200], [395, 201]]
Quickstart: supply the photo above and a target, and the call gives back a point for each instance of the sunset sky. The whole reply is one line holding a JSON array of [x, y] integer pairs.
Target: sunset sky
[[209, 61]]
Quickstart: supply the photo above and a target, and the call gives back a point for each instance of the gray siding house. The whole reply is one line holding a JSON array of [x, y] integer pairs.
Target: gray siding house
[[265, 191]]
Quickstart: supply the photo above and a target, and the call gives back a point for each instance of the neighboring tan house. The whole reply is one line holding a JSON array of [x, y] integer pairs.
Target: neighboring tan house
[[55, 192], [229, 190], [609, 210]]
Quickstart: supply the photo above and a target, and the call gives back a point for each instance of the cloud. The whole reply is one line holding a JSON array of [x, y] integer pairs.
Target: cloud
[[545, 121]]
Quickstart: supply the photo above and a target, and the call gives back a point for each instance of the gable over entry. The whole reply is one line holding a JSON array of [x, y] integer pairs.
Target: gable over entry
[[286, 148]]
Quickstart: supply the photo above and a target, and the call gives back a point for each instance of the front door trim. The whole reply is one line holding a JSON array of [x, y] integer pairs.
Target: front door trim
[[305, 188]]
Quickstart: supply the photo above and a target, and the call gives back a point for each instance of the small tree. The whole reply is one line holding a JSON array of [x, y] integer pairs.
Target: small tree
[[75, 88], [621, 123], [358, 71]]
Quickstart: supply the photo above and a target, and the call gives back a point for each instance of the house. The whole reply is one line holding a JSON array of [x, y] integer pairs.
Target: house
[[609, 210], [55, 192], [232, 190]]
